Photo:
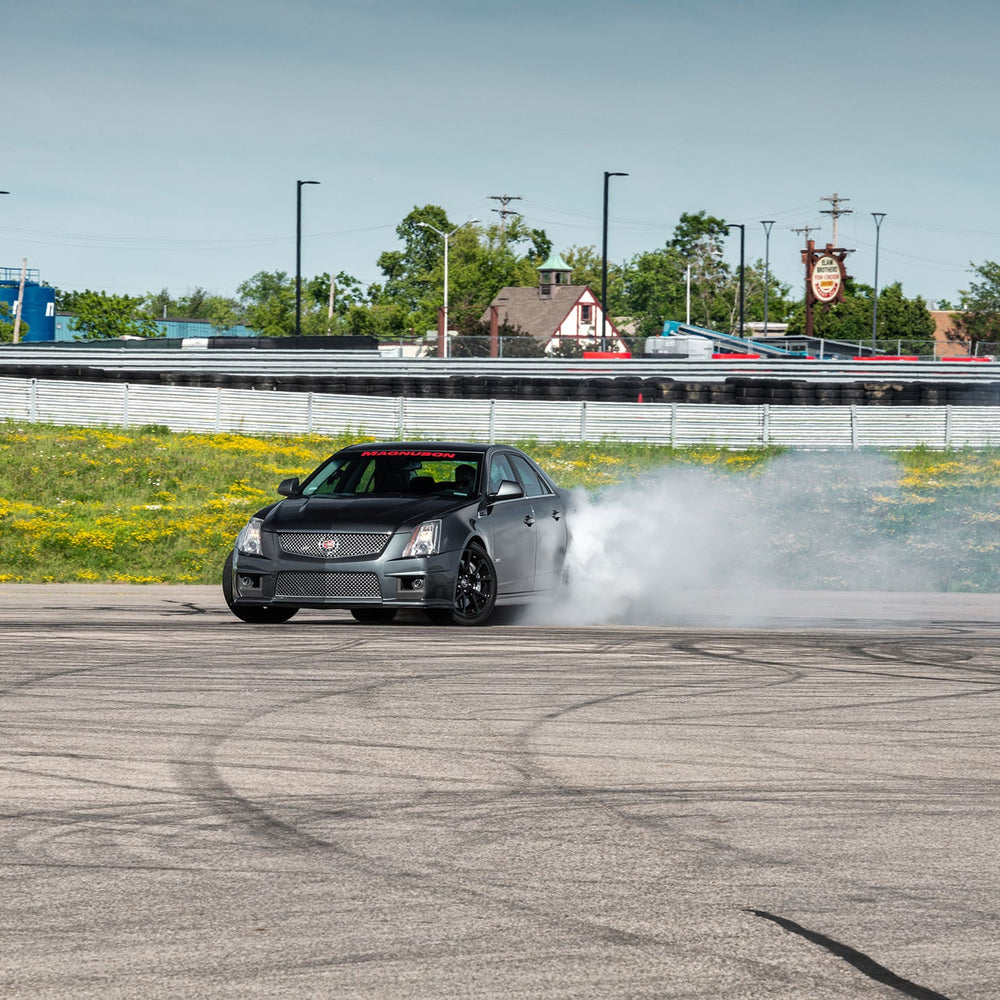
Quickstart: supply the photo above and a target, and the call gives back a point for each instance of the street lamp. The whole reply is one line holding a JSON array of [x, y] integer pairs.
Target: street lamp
[[743, 232], [604, 260], [298, 255], [766, 223], [446, 237], [878, 217]]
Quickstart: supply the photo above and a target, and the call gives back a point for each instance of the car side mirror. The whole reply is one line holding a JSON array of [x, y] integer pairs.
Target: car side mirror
[[288, 487], [507, 490]]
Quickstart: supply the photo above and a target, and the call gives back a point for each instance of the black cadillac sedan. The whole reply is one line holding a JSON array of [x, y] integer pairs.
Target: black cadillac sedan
[[451, 529]]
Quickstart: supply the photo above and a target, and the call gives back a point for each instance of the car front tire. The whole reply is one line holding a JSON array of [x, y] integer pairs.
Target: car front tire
[[251, 613], [475, 591]]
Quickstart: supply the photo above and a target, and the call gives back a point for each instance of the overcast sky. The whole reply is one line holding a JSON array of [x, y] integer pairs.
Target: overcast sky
[[151, 145]]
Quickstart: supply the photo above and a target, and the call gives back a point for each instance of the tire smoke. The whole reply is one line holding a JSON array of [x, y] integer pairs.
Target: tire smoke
[[691, 541]]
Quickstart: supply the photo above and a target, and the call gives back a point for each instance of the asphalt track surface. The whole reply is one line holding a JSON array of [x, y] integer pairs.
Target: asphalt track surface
[[801, 806]]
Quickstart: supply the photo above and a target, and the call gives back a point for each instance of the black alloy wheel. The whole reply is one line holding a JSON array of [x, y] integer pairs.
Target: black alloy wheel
[[475, 591]]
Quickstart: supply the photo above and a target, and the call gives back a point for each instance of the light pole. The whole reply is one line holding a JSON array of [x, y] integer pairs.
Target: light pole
[[878, 217], [604, 260], [743, 232], [298, 255], [446, 237], [766, 223]]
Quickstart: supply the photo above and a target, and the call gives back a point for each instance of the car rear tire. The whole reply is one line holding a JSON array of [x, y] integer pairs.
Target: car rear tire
[[373, 616], [475, 591], [253, 614]]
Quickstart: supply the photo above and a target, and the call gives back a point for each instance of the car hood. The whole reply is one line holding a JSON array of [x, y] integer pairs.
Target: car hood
[[355, 513]]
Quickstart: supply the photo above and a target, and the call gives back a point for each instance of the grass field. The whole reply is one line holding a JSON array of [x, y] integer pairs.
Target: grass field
[[144, 505]]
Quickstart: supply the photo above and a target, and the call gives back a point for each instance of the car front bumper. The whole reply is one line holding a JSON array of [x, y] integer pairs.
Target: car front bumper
[[345, 583]]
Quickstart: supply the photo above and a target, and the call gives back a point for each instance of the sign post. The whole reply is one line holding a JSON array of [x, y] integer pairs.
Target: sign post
[[825, 277]]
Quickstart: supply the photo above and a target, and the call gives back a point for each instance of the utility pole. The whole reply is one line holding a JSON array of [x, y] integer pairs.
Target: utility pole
[[20, 300], [805, 231], [835, 212], [503, 211]]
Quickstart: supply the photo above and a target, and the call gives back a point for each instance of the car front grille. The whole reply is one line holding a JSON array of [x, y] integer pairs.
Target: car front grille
[[333, 544], [320, 585]]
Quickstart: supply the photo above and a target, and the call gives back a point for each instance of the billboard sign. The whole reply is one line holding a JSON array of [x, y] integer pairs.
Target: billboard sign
[[826, 279]]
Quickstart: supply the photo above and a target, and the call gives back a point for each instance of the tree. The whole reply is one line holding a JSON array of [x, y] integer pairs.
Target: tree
[[655, 286], [697, 233], [408, 271], [66, 301], [977, 320], [903, 320], [222, 313], [198, 304], [903, 324], [160, 305], [699, 238], [7, 325], [195, 305], [100, 316], [481, 261], [779, 304], [267, 301], [655, 290]]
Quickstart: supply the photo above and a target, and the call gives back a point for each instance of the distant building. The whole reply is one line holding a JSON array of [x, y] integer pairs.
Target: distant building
[[172, 329], [943, 325], [555, 312], [38, 307]]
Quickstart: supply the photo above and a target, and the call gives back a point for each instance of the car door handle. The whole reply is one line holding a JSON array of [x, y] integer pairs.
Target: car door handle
[[529, 519], [556, 513]]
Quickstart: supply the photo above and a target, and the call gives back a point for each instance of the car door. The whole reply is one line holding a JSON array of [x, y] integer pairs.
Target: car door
[[549, 524], [509, 525]]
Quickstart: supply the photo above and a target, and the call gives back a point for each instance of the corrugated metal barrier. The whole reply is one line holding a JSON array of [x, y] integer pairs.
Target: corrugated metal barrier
[[255, 412]]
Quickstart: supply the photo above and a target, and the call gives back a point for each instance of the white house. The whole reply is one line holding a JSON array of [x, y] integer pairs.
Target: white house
[[556, 312]]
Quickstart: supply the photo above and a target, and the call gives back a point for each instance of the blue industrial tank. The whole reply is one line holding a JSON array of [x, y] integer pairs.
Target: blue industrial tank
[[38, 312]]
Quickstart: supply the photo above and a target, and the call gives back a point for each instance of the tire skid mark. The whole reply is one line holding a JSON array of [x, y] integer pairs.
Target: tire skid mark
[[985, 686], [201, 779], [235, 807], [49, 675], [908, 653], [439, 874], [600, 800], [858, 959]]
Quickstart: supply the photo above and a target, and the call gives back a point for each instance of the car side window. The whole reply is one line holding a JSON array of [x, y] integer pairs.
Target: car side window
[[500, 470], [530, 480]]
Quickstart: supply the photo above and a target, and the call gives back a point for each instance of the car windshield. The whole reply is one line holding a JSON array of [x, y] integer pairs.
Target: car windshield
[[401, 472]]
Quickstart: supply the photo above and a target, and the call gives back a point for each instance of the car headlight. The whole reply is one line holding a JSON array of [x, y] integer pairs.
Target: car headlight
[[425, 540], [248, 540]]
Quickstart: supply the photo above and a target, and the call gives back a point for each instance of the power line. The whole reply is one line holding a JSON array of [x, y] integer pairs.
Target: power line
[[836, 211], [806, 230], [503, 211]]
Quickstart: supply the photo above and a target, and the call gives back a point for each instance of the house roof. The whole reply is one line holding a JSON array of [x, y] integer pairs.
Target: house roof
[[555, 263], [539, 315]]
